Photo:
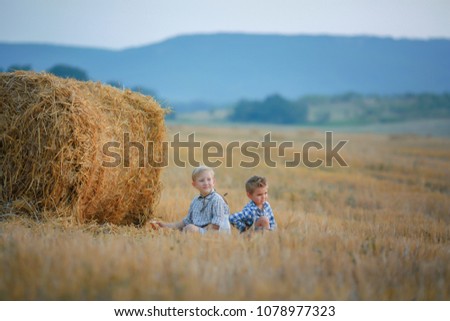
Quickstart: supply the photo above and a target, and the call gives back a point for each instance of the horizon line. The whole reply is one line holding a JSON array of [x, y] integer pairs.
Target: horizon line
[[262, 34]]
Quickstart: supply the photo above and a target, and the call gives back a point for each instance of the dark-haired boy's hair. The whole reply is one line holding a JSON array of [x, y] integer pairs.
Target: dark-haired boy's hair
[[254, 182]]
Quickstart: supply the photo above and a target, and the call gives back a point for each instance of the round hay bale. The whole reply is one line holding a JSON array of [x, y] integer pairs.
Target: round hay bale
[[52, 144]]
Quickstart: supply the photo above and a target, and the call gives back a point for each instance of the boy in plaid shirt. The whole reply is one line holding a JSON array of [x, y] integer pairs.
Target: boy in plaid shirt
[[208, 211], [257, 214]]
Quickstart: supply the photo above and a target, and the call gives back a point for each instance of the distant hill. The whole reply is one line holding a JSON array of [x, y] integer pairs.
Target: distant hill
[[221, 68]]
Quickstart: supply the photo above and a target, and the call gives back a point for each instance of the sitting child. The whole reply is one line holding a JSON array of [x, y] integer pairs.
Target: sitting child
[[257, 214], [208, 211]]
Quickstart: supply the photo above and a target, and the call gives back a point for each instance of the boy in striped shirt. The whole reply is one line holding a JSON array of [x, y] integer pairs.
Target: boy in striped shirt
[[257, 214]]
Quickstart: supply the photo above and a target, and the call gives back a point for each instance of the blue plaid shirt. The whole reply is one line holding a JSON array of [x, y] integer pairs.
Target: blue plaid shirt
[[250, 213], [209, 209]]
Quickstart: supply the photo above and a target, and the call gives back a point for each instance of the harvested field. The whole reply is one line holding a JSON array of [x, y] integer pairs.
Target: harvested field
[[375, 230]]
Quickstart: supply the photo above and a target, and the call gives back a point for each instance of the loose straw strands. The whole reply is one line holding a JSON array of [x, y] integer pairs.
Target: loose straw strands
[[53, 132]]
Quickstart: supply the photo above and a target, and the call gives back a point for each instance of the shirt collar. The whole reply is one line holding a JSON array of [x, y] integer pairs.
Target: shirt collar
[[253, 204], [207, 196]]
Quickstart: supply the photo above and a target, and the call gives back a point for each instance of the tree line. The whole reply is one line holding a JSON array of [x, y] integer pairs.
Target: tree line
[[67, 71], [60, 70], [273, 109], [350, 108]]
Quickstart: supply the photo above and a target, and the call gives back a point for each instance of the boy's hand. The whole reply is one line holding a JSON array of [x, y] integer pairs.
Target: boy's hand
[[157, 225], [162, 225], [176, 225], [212, 227]]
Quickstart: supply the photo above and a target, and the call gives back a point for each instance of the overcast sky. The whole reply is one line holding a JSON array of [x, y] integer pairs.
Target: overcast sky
[[118, 24]]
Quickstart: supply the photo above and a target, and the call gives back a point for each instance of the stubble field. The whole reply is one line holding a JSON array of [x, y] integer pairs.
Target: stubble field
[[375, 230]]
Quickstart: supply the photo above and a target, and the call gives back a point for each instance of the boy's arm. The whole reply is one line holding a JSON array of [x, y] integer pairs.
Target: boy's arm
[[175, 225], [272, 223], [220, 211], [178, 225], [236, 220], [242, 220]]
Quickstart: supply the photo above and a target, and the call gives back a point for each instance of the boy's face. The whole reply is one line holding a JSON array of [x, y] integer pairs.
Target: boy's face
[[259, 195], [204, 182]]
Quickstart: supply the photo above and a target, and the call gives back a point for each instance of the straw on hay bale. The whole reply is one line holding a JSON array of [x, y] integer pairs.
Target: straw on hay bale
[[53, 133]]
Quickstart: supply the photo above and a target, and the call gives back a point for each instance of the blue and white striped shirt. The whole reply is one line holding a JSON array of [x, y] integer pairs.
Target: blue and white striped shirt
[[209, 209], [250, 213]]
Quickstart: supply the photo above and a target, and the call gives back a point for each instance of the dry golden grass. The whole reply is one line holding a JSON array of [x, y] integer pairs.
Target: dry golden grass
[[376, 230]]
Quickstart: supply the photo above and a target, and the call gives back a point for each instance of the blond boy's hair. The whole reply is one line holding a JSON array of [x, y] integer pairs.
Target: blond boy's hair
[[201, 169], [254, 182]]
